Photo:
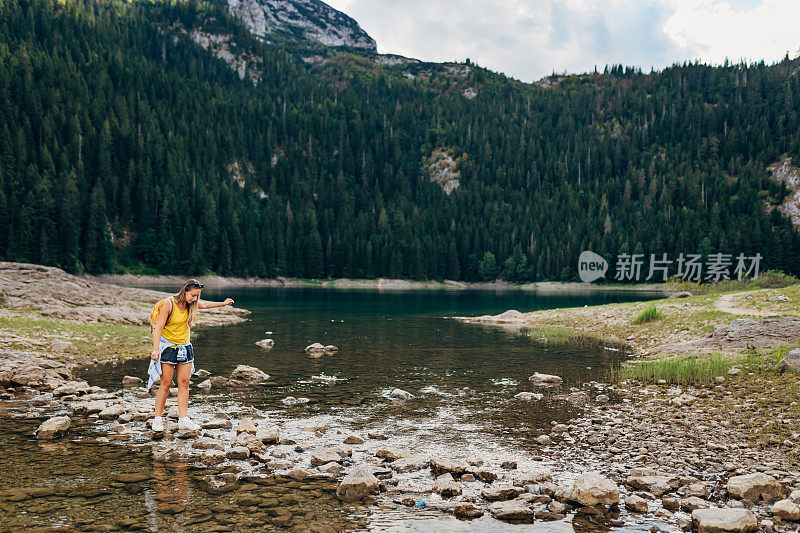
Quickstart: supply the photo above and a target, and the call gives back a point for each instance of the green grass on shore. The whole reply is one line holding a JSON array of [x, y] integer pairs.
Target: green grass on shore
[[648, 314], [28, 330], [700, 369]]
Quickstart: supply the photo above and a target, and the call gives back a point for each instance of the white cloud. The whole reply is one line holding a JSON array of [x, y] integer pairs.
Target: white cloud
[[748, 30], [528, 39]]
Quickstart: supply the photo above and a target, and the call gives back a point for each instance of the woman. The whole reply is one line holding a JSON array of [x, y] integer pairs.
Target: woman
[[172, 348]]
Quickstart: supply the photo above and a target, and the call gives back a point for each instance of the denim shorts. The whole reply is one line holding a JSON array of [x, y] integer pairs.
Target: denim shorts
[[170, 355]]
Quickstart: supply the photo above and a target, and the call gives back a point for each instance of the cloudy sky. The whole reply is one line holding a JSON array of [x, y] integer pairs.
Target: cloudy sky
[[528, 39]]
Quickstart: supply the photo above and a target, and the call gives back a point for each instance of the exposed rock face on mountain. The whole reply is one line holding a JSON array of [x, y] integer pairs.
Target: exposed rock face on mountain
[[785, 172], [310, 19]]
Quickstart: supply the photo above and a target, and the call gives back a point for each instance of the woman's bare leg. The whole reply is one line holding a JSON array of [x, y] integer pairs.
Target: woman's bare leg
[[163, 390], [184, 373]]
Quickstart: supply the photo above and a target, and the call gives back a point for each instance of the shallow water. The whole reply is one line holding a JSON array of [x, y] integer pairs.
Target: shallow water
[[385, 340]]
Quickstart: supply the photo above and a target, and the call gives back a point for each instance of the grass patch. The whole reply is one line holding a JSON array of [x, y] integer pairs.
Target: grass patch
[[700, 369], [674, 370], [648, 314]]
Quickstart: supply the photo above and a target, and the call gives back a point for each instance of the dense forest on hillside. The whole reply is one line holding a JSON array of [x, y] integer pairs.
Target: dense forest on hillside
[[119, 137]]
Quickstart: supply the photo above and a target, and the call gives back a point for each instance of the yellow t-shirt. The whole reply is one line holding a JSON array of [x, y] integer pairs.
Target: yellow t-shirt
[[177, 327]]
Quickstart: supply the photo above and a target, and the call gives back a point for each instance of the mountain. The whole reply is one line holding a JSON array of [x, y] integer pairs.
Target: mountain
[[309, 19], [166, 137]]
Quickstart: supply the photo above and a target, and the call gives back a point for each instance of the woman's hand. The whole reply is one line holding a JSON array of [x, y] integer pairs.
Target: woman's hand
[[227, 301], [154, 355]]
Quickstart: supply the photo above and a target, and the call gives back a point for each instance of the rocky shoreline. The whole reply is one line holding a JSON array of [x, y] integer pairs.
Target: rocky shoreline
[[373, 284], [710, 323], [643, 457]]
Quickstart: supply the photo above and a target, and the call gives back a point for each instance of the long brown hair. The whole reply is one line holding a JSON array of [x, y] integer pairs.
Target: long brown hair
[[181, 298]]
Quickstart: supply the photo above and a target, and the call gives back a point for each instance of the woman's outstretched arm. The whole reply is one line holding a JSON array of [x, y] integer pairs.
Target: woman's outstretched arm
[[211, 305]]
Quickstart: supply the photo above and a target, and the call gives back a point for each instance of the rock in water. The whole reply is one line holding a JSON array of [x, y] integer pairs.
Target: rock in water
[[467, 510], [266, 343], [791, 361], [456, 468], [446, 486], [53, 428], [315, 348], [755, 487], [321, 456], [246, 425], [357, 485], [400, 394], [786, 510], [249, 375], [131, 381], [724, 520], [528, 396], [592, 488], [635, 503], [270, 435], [353, 439], [544, 379], [501, 493], [218, 484], [512, 510]]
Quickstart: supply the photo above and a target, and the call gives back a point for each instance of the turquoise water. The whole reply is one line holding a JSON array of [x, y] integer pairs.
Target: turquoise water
[[390, 340]]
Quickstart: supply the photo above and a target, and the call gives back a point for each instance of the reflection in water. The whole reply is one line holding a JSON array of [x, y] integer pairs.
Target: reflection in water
[[171, 490]]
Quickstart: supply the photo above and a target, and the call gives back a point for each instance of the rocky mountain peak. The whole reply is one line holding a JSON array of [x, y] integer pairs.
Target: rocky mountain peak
[[310, 19]]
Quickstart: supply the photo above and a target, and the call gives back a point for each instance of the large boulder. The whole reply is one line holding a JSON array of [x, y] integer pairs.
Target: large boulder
[[53, 428], [357, 485], [754, 487], [593, 488], [791, 361], [724, 520], [249, 375]]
